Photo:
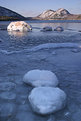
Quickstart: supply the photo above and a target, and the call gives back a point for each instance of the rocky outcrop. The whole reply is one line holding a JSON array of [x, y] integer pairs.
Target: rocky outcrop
[[59, 28], [46, 28], [46, 100], [19, 26], [40, 78]]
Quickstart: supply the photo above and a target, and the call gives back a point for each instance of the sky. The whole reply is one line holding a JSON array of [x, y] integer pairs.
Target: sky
[[29, 8]]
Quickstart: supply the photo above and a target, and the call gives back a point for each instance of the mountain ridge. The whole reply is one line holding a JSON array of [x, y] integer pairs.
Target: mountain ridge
[[61, 14], [7, 14], [53, 14]]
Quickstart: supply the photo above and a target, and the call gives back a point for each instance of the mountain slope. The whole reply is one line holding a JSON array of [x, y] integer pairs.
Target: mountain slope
[[9, 14], [46, 14]]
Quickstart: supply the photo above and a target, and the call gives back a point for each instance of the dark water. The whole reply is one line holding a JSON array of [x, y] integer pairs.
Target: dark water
[[16, 58]]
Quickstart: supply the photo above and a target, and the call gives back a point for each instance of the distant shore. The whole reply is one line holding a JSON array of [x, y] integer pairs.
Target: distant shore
[[33, 19]]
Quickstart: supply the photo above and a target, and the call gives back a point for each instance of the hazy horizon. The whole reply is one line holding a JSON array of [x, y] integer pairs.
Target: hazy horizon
[[33, 8]]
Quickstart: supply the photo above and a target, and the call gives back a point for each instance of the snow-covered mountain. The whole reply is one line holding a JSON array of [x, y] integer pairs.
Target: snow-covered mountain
[[51, 14], [6, 13]]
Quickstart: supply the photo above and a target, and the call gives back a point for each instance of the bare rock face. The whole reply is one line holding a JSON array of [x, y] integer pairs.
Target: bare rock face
[[19, 26], [46, 100], [39, 78]]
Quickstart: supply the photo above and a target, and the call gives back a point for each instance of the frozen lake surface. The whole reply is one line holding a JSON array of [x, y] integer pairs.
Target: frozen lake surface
[[59, 52]]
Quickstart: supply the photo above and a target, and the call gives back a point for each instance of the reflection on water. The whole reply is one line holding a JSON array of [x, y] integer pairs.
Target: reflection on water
[[17, 33], [68, 24]]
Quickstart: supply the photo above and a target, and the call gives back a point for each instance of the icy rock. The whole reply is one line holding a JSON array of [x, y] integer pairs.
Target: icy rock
[[8, 95], [41, 78], [6, 86], [59, 29], [19, 26], [47, 28], [46, 100]]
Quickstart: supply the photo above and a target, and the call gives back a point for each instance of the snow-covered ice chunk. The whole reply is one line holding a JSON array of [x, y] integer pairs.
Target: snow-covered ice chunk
[[40, 78], [19, 26], [46, 100]]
